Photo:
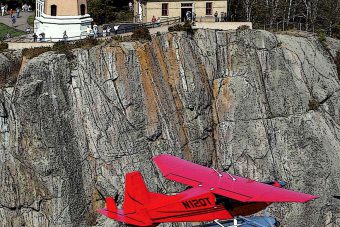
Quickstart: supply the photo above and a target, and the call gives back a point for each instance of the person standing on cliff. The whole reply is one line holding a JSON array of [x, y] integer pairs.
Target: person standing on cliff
[[188, 15], [95, 30], [18, 12], [65, 36], [2, 10], [193, 17], [115, 28], [14, 20], [153, 20], [35, 37], [24, 8], [216, 16], [88, 30]]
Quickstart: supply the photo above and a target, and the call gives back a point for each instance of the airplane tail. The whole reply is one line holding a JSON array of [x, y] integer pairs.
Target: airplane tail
[[136, 192], [111, 204], [136, 195]]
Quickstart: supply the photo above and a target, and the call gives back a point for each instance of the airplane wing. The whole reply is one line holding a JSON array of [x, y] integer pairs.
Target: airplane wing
[[225, 184]]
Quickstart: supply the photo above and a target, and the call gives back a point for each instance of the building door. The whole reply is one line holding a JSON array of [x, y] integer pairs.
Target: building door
[[186, 11], [82, 9], [53, 10]]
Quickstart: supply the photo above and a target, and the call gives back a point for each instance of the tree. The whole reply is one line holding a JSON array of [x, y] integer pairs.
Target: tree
[[330, 16], [311, 13], [248, 7], [102, 11], [106, 11]]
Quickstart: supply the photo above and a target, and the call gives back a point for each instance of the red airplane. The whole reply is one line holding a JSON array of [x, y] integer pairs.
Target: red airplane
[[213, 195]]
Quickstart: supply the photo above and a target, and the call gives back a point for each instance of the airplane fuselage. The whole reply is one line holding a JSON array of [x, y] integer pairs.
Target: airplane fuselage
[[193, 205]]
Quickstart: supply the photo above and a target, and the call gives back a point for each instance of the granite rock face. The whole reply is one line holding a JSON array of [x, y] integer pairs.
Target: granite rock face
[[255, 104]]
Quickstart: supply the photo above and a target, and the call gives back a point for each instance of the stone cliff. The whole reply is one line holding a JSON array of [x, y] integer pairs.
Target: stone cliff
[[256, 104]]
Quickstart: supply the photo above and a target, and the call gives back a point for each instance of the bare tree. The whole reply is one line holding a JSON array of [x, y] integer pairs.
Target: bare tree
[[330, 15], [311, 13], [272, 6], [248, 7]]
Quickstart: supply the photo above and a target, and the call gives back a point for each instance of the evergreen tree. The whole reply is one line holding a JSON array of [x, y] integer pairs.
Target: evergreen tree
[[106, 11], [102, 11]]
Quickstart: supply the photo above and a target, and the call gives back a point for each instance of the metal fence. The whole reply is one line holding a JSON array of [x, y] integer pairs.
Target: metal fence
[[283, 26], [123, 28]]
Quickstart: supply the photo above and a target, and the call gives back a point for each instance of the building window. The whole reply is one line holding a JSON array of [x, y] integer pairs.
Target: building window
[[165, 9], [53, 10], [82, 9], [208, 8], [186, 5]]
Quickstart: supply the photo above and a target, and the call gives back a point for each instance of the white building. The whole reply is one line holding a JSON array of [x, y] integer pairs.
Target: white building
[[54, 17]]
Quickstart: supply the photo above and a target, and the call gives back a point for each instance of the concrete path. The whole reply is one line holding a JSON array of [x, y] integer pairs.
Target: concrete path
[[21, 23]]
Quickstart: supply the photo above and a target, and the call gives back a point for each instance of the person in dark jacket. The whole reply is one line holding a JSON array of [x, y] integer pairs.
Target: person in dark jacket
[[35, 37]]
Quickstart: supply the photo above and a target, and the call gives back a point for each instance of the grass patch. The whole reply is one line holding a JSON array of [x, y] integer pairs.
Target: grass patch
[[30, 20], [4, 29], [61, 48], [30, 53], [243, 28], [141, 34], [321, 36], [187, 26]]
